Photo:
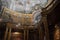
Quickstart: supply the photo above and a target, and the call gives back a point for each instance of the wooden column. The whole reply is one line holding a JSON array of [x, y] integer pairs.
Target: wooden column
[[46, 27], [9, 34], [5, 36], [27, 34], [41, 34]]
